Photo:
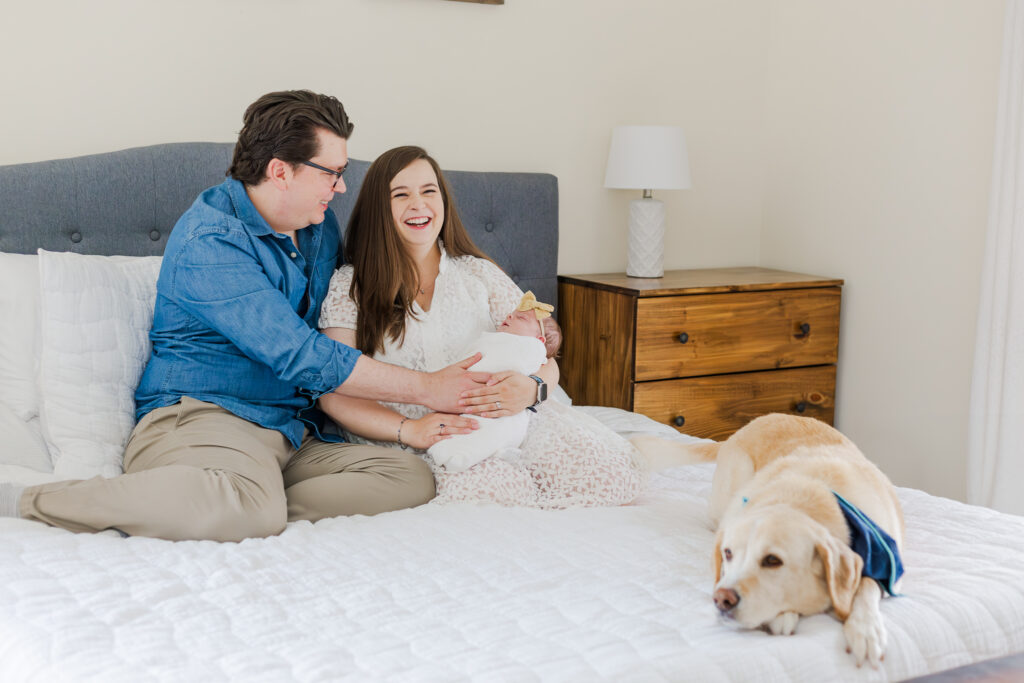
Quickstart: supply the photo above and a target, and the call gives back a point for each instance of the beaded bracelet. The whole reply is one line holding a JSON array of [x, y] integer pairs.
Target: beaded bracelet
[[399, 435]]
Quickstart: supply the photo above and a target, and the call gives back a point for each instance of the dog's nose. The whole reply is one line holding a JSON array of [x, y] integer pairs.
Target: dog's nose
[[726, 599]]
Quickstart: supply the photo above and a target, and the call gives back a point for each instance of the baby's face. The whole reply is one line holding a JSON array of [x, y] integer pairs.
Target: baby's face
[[523, 323]]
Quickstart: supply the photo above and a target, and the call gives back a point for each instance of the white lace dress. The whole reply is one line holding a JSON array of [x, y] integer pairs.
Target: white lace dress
[[567, 459]]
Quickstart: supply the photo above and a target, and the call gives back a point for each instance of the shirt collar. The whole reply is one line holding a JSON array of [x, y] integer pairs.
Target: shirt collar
[[245, 210]]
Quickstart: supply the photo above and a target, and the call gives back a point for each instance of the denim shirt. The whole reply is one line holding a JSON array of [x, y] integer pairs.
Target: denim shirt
[[236, 312]]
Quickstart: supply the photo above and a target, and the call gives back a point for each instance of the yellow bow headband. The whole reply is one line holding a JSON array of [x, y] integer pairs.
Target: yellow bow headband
[[530, 303]]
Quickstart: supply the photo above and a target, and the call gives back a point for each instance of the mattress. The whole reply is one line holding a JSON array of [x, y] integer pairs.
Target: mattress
[[480, 592]]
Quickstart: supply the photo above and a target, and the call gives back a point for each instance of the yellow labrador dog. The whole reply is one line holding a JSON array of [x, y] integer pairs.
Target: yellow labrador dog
[[789, 497]]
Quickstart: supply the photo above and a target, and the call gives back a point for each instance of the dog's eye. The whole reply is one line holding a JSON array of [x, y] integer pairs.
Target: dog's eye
[[727, 554], [771, 561]]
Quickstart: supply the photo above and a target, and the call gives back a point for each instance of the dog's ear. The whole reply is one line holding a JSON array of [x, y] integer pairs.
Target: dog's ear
[[716, 557], [842, 572]]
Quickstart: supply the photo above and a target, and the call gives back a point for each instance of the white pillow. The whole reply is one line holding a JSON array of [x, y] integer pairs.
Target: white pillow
[[628, 424], [95, 316], [21, 439], [23, 476], [21, 442], [19, 303], [557, 394]]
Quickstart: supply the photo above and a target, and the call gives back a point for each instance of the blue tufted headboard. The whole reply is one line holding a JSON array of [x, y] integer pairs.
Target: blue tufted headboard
[[126, 202]]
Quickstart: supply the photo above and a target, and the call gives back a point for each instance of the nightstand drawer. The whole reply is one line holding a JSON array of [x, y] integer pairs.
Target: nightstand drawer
[[706, 334], [715, 407]]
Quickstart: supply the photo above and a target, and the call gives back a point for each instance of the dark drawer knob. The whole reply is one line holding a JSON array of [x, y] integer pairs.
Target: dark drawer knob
[[679, 421], [805, 329], [800, 407], [683, 338]]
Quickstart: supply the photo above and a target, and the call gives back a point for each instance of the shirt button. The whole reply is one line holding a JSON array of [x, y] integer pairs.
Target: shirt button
[[293, 254]]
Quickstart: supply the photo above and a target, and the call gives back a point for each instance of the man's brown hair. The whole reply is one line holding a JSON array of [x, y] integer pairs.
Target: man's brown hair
[[282, 125]]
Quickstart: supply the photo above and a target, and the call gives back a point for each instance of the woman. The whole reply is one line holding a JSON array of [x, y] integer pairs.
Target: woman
[[416, 291]]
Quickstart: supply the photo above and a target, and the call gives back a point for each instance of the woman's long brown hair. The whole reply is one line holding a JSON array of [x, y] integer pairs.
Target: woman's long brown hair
[[385, 279]]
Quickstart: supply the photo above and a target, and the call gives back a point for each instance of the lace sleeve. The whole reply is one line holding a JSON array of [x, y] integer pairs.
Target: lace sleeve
[[339, 310], [503, 294]]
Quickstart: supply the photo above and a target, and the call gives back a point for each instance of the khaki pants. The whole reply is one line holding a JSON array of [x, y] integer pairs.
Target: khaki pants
[[196, 471]]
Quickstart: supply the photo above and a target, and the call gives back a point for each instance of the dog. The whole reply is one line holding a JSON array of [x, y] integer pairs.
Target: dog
[[783, 491]]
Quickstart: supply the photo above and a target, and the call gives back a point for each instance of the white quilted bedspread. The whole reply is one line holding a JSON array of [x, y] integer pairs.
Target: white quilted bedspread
[[464, 592]]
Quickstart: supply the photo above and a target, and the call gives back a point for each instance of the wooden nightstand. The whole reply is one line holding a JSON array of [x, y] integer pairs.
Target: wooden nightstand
[[705, 351]]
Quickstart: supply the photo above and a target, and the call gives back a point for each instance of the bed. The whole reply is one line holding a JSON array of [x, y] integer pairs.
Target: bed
[[436, 593]]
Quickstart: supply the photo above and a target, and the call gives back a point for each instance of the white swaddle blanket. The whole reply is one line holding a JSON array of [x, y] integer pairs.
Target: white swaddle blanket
[[502, 351]]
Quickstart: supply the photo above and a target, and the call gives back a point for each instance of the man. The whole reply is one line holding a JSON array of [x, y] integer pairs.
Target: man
[[228, 445]]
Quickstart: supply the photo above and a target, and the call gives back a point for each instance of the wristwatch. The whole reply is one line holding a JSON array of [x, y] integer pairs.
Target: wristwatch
[[542, 390]]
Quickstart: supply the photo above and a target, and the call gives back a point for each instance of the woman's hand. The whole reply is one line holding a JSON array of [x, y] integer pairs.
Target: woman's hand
[[507, 393], [433, 427]]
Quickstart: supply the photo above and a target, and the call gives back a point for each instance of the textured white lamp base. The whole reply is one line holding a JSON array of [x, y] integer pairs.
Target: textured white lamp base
[[646, 238]]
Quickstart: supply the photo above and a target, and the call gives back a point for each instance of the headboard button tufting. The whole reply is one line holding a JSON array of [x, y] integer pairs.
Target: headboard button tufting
[[154, 235], [489, 227], [76, 237]]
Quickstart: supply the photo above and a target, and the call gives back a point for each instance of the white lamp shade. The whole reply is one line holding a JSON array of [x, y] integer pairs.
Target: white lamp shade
[[647, 158]]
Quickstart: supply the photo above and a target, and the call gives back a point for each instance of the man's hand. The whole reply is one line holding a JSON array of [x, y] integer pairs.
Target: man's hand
[[444, 387]]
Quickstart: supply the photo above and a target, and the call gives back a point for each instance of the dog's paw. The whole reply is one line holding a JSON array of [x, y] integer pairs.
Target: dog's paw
[[865, 638], [784, 624]]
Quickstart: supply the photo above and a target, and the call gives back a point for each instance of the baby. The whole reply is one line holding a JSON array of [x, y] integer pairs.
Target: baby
[[522, 343]]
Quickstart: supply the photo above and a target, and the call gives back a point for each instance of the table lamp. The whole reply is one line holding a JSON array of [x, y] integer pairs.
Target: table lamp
[[647, 158]]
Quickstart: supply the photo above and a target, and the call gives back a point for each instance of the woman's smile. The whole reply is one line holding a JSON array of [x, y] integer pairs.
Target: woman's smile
[[419, 223]]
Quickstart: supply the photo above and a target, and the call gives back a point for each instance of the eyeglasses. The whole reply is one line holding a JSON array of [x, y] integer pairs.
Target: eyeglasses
[[337, 174]]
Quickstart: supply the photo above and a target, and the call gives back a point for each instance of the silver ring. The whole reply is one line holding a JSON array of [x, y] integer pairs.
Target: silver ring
[[441, 431], [498, 403]]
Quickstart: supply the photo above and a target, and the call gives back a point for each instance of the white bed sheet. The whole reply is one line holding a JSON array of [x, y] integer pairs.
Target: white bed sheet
[[480, 592]]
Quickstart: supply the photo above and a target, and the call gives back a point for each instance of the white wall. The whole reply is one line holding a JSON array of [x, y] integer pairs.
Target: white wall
[[880, 120], [533, 85], [831, 137]]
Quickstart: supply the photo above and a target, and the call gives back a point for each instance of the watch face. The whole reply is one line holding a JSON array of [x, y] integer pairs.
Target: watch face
[[542, 389]]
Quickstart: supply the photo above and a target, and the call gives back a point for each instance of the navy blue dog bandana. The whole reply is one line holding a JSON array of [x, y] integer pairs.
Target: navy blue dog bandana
[[881, 556]]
